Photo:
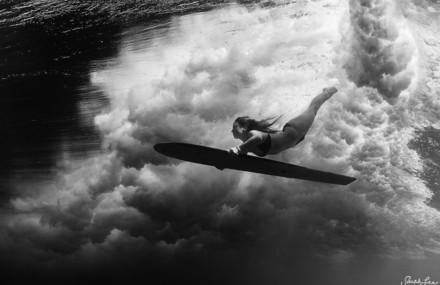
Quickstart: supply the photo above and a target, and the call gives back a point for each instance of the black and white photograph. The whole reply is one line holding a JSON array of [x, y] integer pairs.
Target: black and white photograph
[[221, 142]]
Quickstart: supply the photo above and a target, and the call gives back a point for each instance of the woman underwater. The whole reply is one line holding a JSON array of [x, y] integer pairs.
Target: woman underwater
[[259, 138]]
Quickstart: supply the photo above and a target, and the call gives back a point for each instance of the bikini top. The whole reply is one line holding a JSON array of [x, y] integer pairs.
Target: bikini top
[[265, 146]]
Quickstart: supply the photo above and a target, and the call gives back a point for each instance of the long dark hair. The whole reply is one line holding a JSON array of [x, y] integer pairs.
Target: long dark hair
[[264, 125]]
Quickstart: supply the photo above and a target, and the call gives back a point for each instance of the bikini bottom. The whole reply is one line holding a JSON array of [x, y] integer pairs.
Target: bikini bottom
[[290, 126]]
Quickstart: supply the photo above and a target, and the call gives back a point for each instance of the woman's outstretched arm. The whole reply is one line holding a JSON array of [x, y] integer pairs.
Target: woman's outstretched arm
[[255, 139]]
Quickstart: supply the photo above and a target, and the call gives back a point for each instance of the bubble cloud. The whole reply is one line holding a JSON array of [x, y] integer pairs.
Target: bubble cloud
[[383, 52], [132, 212]]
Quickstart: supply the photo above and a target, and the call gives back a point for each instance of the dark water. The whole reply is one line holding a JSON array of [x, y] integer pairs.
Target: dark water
[[44, 76], [427, 144]]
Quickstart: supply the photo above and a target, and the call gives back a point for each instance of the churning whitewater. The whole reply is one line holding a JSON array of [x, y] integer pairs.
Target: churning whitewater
[[186, 82]]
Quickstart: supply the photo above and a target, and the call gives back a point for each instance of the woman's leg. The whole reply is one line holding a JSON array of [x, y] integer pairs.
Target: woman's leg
[[303, 122]]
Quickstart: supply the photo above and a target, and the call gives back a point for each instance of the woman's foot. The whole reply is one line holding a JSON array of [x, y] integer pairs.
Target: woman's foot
[[327, 93], [321, 98], [330, 90]]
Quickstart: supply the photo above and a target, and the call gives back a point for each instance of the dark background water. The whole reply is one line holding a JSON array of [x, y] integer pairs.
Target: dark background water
[[46, 52], [427, 144], [44, 64]]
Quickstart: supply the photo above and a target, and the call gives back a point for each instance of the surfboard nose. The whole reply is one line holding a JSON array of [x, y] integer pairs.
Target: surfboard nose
[[176, 150], [162, 148]]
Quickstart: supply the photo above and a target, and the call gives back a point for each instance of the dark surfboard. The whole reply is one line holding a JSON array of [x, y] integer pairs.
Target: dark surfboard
[[222, 159]]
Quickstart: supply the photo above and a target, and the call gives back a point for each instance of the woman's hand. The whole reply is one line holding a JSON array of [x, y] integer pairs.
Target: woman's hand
[[235, 150]]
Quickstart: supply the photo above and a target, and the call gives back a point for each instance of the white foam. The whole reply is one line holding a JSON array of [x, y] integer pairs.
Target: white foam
[[190, 84]]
